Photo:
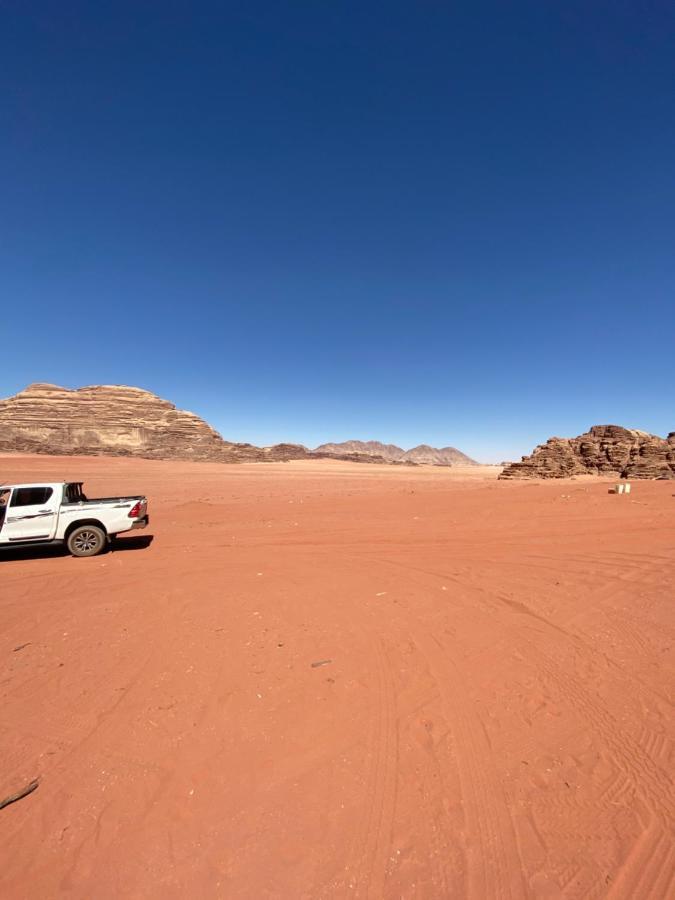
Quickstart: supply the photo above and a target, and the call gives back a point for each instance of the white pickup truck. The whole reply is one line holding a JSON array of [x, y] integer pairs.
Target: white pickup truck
[[60, 513]]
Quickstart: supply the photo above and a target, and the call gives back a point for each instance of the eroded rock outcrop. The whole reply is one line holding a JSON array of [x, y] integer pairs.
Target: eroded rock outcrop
[[604, 450], [116, 420]]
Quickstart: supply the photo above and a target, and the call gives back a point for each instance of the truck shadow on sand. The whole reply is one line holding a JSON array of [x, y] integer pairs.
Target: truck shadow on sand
[[49, 551]]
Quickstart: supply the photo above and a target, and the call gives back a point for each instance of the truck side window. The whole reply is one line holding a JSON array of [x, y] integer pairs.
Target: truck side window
[[74, 493], [31, 496]]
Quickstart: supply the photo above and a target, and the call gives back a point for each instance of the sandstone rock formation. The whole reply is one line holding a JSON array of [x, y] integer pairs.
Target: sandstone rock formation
[[604, 450], [423, 454], [118, 421]]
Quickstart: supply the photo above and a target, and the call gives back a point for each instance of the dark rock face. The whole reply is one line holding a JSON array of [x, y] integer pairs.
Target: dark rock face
[[116, 420], [604, 450]]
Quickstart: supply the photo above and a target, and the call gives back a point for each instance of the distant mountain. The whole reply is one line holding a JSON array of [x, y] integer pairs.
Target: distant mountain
[[389, 452], [432, 456], [423, 454]]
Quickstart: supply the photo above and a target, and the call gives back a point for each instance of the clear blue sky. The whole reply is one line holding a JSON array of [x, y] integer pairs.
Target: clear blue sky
[[449, 222]]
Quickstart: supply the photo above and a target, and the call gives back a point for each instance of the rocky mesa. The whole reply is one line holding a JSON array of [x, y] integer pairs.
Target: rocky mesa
[[116, 420], [603, 450], [423, 454]]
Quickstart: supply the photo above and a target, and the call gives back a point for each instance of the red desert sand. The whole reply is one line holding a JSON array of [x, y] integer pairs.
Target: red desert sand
[[326, 680]]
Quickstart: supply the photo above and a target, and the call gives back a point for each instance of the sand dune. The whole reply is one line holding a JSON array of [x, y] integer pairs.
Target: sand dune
[[324, 680]]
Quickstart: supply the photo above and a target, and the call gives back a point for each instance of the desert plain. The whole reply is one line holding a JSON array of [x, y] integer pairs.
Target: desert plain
[[325, 680]]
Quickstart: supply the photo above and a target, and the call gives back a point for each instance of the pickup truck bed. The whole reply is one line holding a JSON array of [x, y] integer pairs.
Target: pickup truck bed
[[101, 501]]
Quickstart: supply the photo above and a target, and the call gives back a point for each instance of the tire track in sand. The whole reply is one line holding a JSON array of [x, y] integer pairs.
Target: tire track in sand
[[651, 785], [372, 842], [490, 838], [649, 871]]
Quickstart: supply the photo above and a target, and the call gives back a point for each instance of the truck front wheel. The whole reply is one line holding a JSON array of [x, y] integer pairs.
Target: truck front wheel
[[86, 540]]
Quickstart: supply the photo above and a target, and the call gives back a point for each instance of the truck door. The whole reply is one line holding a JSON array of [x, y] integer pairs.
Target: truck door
[[31, 515]]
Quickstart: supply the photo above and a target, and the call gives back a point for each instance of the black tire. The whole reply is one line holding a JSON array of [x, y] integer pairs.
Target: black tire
[[87, 540]]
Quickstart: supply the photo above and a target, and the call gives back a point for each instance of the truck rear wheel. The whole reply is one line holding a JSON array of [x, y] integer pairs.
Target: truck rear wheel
[[86, 540]]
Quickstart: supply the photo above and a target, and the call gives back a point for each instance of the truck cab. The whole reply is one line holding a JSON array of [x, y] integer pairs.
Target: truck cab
[[30, 512]]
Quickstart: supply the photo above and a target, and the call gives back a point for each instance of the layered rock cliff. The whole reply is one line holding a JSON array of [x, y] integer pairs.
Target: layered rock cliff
[[118, 421], [604, 450]]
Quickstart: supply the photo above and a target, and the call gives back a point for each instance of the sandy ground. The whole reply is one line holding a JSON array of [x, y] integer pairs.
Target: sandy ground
[[327, 680]]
